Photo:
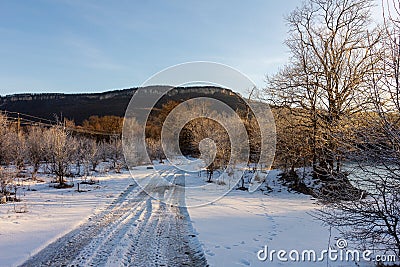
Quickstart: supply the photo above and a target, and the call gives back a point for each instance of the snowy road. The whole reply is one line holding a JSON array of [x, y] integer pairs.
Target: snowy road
[[135, 230]]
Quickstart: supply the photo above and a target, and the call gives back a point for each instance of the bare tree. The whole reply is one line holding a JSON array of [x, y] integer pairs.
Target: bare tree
[[5, 143], [154, 149], [103, 150], [92, 154], [116, 153], [210, 142], [18, 148], [330, 42], [35, 148], [293, 146], [131, 139], [5, 180], [375, 220], [88, 153], [60, 151]]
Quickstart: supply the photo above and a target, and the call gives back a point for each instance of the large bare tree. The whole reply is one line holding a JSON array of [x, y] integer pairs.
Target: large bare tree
[[375, 220], [330, 43]]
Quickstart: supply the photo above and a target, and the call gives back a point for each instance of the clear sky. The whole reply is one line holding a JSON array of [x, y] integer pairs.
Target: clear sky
[[74, 46]]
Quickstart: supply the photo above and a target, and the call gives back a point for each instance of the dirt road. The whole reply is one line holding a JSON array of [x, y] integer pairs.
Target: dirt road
[[134, 230]]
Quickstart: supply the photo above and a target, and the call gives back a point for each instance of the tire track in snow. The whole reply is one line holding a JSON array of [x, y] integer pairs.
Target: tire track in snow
[[134, 230], [64, 249], [98, 250]]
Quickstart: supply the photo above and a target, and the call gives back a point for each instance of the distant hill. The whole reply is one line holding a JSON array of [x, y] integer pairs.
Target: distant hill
[[78, 107]]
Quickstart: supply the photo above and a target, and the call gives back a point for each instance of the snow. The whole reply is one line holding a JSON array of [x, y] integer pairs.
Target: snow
[[231, 230], [51, 214], [133, 230]]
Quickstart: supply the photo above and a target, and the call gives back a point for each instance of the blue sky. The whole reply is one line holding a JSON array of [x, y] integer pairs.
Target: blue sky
[[74, 46]]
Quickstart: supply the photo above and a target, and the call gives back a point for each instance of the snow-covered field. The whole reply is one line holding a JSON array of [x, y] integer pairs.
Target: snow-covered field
[[51, 213], [231, 230], [235, 228]]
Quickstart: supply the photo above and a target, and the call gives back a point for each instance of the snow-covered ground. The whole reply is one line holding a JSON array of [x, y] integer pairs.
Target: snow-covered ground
[[113, 223], [51, 213], [235, 228], [231, 230]]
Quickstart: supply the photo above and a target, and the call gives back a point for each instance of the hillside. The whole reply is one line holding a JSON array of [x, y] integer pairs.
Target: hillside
[[78, 107]]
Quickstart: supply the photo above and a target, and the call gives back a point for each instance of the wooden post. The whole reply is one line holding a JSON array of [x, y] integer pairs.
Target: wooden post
[[18, 125]]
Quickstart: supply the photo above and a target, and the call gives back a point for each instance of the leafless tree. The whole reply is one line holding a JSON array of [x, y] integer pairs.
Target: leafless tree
[[374, 221], [5, 180], [88, 153], [330, 43], [60, 151], [103, 150], [154, 149], [116, 153], [5, 143], [12, 144], [133, 151], [92, 154], [35, 148], [211, 141], [293, 147], [18, 148]]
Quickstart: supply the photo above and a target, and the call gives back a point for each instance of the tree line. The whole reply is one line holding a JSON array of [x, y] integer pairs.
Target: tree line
[[55, 150]]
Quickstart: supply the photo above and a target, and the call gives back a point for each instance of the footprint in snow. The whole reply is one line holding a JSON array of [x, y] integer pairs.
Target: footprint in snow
[[209, 253], [227, 247], [245, 262]]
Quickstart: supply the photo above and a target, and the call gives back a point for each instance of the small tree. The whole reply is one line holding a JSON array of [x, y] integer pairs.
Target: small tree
[[154, 149], [18, 149], [60, 151], [103, 150], [212, 141], [5, 141], [35, 148], [91, 152], [5, 181], [131, 141], [116, 152]]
